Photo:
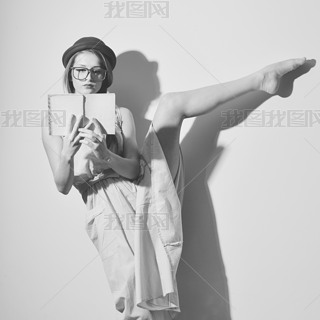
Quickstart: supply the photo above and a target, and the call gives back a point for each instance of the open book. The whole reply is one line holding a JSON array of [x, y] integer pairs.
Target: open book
[[98, 105]]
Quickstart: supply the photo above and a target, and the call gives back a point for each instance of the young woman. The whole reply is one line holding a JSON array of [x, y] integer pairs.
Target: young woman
[[133, 207]]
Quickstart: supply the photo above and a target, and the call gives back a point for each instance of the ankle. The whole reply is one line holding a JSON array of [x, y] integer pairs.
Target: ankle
[[257, 79]]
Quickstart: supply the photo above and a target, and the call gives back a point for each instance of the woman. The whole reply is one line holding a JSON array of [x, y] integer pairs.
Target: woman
[[134, 209]]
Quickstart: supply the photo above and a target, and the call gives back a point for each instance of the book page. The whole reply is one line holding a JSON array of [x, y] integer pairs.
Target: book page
[[102, 107], [61, 106]]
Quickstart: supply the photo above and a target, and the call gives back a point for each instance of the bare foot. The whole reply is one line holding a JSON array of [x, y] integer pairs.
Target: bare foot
[[271, 75]]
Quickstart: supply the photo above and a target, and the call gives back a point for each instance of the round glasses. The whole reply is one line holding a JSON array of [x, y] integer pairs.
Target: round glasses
[[81, 73]]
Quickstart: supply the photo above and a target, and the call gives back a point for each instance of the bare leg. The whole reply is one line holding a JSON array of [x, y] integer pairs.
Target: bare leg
[[176, 106]]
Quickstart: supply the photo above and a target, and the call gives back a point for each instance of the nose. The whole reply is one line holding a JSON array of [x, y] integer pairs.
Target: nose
[[89, 77]]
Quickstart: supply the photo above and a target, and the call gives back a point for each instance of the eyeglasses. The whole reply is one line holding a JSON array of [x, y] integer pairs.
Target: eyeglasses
[[81, 73]]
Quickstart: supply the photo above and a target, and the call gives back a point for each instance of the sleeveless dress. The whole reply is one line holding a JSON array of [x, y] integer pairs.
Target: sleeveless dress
[[136, 227]]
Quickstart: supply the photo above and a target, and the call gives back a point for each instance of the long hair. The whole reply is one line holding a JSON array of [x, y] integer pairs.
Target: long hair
[[67, 77], [68, 87]]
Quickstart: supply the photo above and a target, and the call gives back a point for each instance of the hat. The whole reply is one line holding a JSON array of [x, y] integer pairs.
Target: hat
[[90, 43]]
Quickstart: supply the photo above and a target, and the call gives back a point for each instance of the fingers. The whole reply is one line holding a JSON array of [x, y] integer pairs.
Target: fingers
[[77, 138], [88, 124], [76, 127], [90, 135], [100, 129], [70, 121], [87, 142]]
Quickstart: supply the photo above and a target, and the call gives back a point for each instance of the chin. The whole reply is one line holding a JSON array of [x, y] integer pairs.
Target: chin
[[87, 91]]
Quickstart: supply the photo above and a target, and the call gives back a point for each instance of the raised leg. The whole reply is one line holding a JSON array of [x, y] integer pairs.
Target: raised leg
[[175, 106]]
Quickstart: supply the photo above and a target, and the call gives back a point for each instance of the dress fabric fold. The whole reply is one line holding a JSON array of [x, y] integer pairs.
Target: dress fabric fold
[[136, 227]]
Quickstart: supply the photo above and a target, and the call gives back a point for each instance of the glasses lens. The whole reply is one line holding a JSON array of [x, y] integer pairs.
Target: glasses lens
[[80, 73], [99, 73]]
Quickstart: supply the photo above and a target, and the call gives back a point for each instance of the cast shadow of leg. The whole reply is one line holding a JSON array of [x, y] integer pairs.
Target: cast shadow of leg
[[202, 281]]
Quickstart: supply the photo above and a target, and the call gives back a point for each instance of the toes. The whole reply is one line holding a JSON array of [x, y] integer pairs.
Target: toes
[[299, 62], [273, 73], [290, 65]]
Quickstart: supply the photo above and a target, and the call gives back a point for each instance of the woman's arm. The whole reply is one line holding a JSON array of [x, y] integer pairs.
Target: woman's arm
[[60, 152], [61, 165], [127, 166]]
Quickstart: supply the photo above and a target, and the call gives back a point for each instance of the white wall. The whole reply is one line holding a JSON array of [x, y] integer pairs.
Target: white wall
[[250, 217]]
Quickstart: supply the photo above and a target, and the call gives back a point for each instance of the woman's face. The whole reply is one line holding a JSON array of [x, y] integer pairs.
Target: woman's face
[[91, 84]]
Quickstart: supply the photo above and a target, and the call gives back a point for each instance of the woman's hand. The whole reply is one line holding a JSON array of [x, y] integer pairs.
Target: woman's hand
[[96, 165], [96, 141], [71, 142]]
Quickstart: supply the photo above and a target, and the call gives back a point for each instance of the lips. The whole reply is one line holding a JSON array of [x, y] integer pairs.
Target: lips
[[88, 85]]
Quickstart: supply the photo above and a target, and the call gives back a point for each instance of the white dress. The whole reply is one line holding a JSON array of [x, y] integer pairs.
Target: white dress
[[136, 227]]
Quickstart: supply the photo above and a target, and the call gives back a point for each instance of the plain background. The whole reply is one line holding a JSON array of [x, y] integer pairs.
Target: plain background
[[251, 210]]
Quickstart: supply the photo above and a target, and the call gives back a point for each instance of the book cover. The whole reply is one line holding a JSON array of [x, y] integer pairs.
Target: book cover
[[100, 106]]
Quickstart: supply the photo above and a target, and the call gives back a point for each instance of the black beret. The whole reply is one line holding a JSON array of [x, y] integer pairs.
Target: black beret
[[90, 43]]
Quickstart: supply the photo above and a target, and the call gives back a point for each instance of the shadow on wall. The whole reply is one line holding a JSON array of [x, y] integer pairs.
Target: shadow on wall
[[136, 84], [201, 276]]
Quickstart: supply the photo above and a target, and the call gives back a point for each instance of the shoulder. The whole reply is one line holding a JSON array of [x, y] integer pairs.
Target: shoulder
[[125, 112], [127, 120], [126, 115]]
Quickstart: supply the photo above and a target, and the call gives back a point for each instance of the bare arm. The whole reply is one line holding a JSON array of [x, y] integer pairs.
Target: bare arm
[[128, 165], [60, 152]]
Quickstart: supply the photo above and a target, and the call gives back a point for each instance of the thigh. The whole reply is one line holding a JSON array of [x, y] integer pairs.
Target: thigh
[[167, 123]]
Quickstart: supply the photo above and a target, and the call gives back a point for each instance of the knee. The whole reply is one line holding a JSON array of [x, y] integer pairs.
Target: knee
[[170, 100], [171, 104]]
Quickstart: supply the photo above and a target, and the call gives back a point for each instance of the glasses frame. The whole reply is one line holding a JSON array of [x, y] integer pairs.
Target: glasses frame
[[88, 71]]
